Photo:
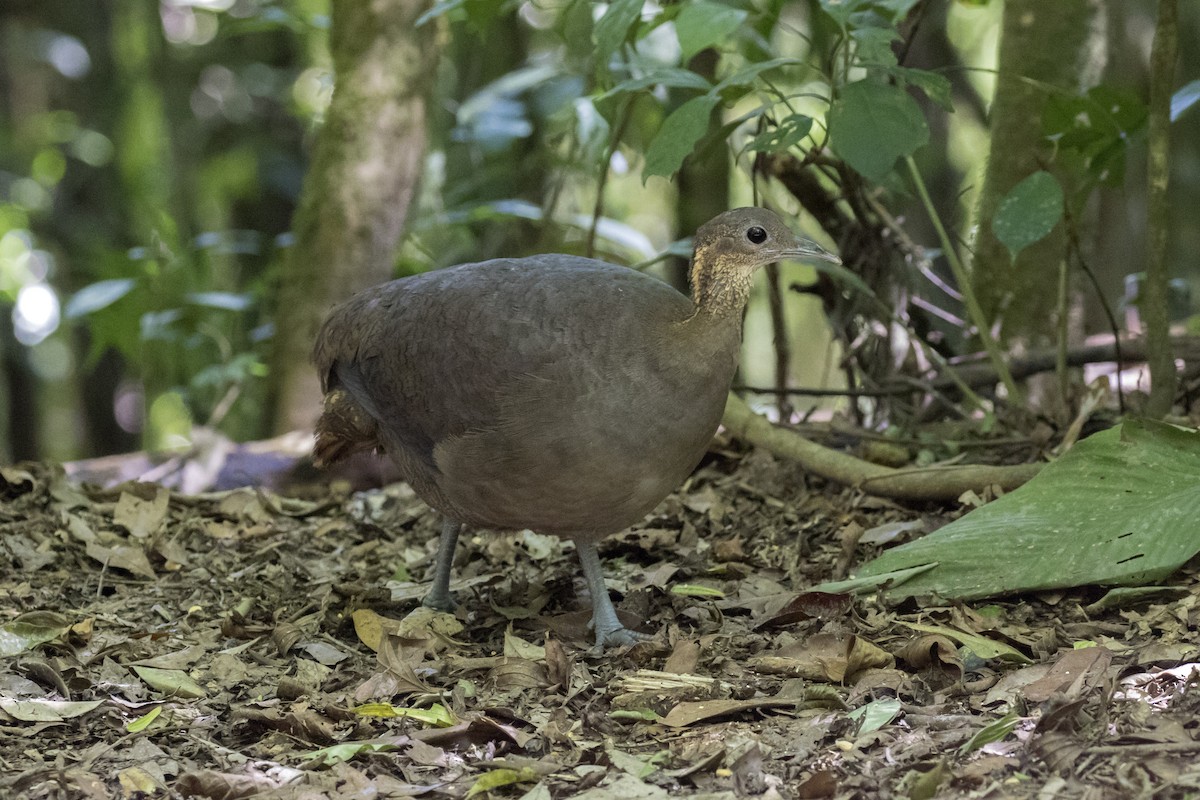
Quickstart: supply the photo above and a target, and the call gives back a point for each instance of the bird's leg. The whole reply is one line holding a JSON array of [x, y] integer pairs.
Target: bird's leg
[[439, 594], [608, 629]]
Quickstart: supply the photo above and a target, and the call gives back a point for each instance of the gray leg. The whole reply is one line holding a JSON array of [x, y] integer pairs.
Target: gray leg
[[608, 629], [439, 594]]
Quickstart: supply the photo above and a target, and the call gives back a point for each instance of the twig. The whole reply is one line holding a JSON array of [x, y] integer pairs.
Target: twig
[[783, 350], [589, 248], [931, 483], [1074, 249], [974, 310]]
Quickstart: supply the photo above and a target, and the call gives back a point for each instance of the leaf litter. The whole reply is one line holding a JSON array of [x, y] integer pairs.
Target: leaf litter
[[245, 644]]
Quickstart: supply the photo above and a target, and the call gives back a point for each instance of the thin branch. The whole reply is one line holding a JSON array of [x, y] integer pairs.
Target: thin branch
[[1075, 249], [624, 116], [974, 310]]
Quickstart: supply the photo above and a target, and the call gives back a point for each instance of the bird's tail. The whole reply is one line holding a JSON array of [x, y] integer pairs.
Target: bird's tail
[[344, 428]]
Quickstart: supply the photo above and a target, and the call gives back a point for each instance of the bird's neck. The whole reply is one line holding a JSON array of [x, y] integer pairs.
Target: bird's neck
[[718, 291]]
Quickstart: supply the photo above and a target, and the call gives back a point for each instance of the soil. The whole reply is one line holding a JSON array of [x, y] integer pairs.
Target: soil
[[244, 643]]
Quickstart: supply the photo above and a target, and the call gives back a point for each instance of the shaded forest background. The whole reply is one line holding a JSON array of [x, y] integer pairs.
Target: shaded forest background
[[152, 157]]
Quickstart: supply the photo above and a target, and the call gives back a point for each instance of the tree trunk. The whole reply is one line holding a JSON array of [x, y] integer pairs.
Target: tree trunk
[[7, 427], [1060, 44], [703, 183], [1163, 57], [357, 193]]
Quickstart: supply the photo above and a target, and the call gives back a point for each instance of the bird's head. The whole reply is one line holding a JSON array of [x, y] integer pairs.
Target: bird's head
[[731, 246]]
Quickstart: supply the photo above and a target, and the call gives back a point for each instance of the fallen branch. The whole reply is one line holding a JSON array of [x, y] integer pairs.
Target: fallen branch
[[918, 483], [1132, 350]]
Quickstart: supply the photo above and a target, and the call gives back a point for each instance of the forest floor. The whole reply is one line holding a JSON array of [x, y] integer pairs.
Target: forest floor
[[245, 644]]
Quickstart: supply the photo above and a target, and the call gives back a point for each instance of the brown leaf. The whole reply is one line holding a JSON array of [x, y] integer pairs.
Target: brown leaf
[[824, 657], [518, 673], [822, 783], [131, 558], [558, 664], [215, 785], [1073, 675], [809, 605], [479, 731], [683, 658], [929, 651], [142, 518], [303, 723], [689, 712], [14, 482]]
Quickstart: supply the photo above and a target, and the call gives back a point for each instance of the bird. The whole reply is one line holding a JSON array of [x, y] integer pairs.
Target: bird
[[554, 393]]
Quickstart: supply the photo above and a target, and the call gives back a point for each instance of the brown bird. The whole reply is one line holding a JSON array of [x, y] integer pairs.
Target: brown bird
[[556, 393]]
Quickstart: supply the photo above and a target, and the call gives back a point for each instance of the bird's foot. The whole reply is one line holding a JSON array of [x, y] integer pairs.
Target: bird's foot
[[440, 601], [619, 636]]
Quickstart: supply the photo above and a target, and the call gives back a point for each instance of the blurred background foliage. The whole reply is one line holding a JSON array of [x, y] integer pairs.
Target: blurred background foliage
[[152, 155]]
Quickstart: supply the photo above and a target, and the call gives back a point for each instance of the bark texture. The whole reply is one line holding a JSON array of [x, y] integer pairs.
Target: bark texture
[[1163, 57], [1059, 44], [358, 190]]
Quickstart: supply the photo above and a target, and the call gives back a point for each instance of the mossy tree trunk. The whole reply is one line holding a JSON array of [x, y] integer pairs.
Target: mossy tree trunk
[[1059, 44], [357, 193], [1163, 57]]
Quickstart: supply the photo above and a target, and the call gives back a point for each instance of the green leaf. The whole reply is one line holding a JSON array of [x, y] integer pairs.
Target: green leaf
[[671, 77], [1184, 99], [141, 723], [935, 85], [677, 136], [1099, 126], [746, 75], [1029, 212], [499, 778], [992, 732], [875, 45], [96, 296], [29, 630], [335, 754], [787, 134], [841, 10], [574, 24], [1119, 509], [872, 124], [612, 28], [171, 682], [875, 714], [703, 24], [849, 13], [695, 590], [437, 714], [981, 646]]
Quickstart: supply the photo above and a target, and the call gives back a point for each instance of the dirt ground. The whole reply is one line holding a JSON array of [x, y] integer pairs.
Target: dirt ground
[[246, 644]]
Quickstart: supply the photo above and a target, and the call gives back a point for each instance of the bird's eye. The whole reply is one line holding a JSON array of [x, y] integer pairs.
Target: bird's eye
[[756, 235]]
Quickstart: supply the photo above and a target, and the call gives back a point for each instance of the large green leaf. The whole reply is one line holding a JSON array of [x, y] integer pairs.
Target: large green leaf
[[1029, 212], [612, 28], [1120, 508], [872, 124], [678, 135], [788, 133], [1099, 126], [703, 24], [669, 77]]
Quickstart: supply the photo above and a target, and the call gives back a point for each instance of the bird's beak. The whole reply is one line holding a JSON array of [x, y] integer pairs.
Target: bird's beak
[[805, 249]]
